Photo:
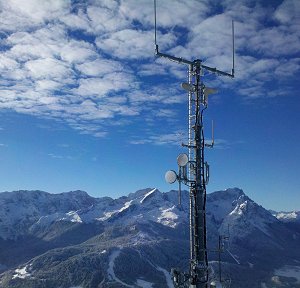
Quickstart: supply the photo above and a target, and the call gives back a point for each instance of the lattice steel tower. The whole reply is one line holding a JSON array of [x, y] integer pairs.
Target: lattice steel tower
[[193, 170]]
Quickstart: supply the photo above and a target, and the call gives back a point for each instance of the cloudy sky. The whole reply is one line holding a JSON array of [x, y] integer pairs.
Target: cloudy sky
[[84, 103]]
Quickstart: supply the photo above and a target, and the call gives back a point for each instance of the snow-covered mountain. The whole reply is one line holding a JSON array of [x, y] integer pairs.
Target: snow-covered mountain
[[22, 209], [75, 240], [26, 212], [292, 216]]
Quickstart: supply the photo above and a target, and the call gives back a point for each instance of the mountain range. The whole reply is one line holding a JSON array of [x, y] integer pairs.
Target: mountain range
[[75, 240]]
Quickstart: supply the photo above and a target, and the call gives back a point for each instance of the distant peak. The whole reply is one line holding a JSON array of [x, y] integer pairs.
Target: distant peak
[[24, 194], [76, 193], [140, 193], [231, 194]]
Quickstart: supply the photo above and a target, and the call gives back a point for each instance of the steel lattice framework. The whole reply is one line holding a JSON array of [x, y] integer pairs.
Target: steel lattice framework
[[193, 169]]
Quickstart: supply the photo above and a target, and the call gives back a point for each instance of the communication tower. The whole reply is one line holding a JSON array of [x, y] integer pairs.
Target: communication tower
[[193, 170]]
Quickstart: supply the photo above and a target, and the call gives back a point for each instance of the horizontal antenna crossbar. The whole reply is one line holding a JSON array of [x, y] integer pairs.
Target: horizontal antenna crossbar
[[215, 70], [184, 61], [173, 58]]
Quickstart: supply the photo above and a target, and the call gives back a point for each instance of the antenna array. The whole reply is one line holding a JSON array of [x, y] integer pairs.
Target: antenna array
[[193, 170]]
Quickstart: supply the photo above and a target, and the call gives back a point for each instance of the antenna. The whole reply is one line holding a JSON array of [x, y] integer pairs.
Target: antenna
[[220, 281], [156, 48], [171, 176], [233, 49], [211, 145], [212, 133], [193, 170]]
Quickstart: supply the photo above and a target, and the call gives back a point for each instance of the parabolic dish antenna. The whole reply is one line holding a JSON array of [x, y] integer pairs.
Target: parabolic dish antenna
[[188, 87], [182, 159], [208, 91], [171, 176]]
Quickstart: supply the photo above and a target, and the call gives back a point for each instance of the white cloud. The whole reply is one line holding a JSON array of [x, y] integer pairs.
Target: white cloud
[[100, 67], [93, 65], [45, 42], [100, 134], [77, 52], [175, 138], [288, 12], [273, 42], [168, 113], [77, 21], [106, 19], [7, 63], [180, 12], [18, 14], [48, 68], [39, 10], [158, 94], [101, 86], [152, 69], [132, 44], [49, 42], [288, 68], [55, 156], [47, 85]]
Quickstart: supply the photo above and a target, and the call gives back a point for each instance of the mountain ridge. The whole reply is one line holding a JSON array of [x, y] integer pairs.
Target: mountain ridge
[[146, 231]]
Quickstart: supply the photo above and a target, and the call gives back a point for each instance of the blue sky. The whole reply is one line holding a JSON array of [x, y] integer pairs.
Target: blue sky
[[84, 104]]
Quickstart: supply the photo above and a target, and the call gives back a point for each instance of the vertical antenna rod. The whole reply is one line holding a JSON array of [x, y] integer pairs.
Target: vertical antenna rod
[[155, 25], [233, 49]]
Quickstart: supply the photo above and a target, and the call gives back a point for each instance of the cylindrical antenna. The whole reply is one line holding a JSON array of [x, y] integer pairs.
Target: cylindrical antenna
[[233, 52], [155, 23], [212, 133], [179, 194]]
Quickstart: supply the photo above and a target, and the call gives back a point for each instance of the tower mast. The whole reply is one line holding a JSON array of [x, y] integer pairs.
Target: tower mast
[[193, 169]]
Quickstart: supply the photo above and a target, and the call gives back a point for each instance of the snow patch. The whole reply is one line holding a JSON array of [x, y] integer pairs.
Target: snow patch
[[147, 195], [144, 284], [111, 264], [110, 271], [238, 210], [110, 214], [106, 216], [126, 206], [293, 216], [158, 268], [141, 238], [71, 216], [167, 276], [289, 271], [45, 221], [21, 273], [168, 217]]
